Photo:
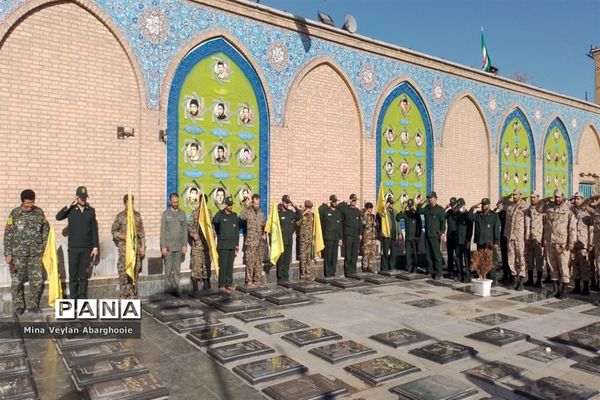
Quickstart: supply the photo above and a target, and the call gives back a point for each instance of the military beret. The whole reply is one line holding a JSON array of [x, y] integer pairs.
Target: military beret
[[558, 192], [286, 199], [228, 201], [333, 197], [485, 201], [577, 194], [353, 197], [308, 204]]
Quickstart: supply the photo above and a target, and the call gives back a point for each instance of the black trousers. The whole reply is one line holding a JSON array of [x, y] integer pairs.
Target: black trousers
[[388, 258], [330, 255], [411, 246], [463, 261], [226, 258], [504, 253], [283, 263], [434, 256], [79, 264], [451, 247], [351, 244]]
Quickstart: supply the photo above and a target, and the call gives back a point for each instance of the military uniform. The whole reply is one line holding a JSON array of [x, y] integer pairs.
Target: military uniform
[[25, 237], [559, 232], [331, 224], [487, 231], [199, 252], [351, 230], [119, 232], [388, 244], [534, 252], [435, 226], [287, 220], [451, 236], [369, 237], [464, 233], [504, 247], [593, 208], [413, 227], [173, 237], [253, 243], [514, 231], [305, 234], [584, 237], [228, 235]]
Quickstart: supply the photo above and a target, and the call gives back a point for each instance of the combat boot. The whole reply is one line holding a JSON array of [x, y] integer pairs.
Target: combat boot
[[194, 284], [554, 290], [205, 284], [594, 286], [562, 291], [529, 278], [519, 286], [538, 281], [548, 278], [577, 288], [586, 288]]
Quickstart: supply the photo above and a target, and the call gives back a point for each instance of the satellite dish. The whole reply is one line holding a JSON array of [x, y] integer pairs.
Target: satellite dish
[[350, 24]]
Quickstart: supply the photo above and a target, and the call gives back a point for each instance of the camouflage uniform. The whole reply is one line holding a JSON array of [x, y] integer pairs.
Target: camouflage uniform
[[25, 238], [306, 240], [584, 232], [119, 231], [514, 231], [199, 252], [559, 231], [369, 240], [253, 243], [594, 211], [533, 245]]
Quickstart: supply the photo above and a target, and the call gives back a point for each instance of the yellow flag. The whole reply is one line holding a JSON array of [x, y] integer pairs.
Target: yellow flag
[[273, 227], [130, 241], [207, 230], [318, 242], [381, 210], [50, 261]]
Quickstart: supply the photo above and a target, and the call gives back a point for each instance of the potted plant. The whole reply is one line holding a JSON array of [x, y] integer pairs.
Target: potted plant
[[482, 263]]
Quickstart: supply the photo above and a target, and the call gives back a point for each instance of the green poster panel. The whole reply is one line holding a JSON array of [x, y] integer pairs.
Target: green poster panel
[[517, 156], [218, 142], [404, 146], [557, 160]]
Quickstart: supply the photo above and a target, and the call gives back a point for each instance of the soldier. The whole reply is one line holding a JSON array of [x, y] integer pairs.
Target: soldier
[[369, 237], [534, 254], [351, 230], [501, 212], [412, 233], [388, 244], [592, 205], [119, 234], [331, 224], [451, 234], [199, 251], [288, 215], [584, 231], [228, 234], [25, 237], [487, 228], [305, 234], [435, 226], [464, 232], [173, 243], [83, 241], [514, 231], [253, 240], [559, 233]]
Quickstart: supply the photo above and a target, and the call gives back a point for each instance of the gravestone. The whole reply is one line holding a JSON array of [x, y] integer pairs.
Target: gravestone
[[400, 337], [341, 351], [495, 372], [93, 353], [193, 324], [237, 351], [310, 336], [381, 369], [140, 387], [434, 387], [308, 387], [498, 336], [106, 370], [551, 388], [258, 315], [285, 325], [218, 334], [269, 369], [444, 351]]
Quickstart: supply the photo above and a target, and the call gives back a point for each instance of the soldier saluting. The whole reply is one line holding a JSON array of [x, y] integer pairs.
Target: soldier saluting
[[413, 227], [25, 237], [351, 232]]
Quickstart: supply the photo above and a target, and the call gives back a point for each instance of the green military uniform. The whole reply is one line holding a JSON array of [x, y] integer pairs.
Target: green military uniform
[[287, 220], [435, 225], [228, 235], [119, 232], [487, 230], [464, 233], [25, 238], [413, 227], [331, 224], [173, 237], [388, 244], [451, 237], [305, 239], [369, 236], [253, 243], [351, 230]]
